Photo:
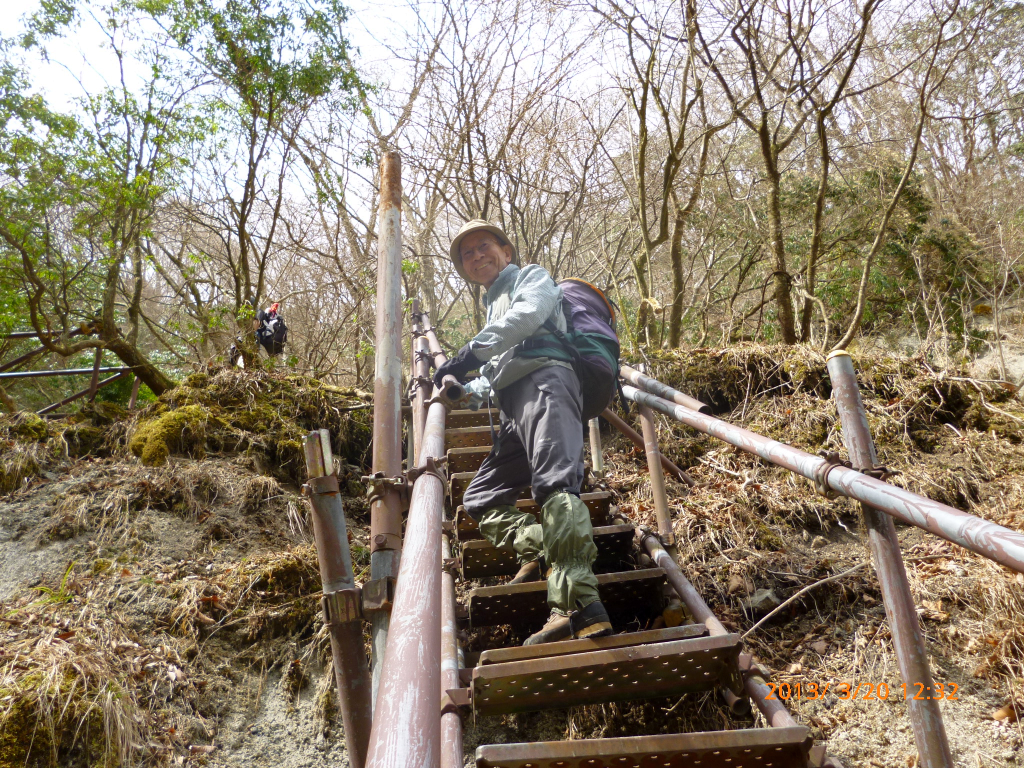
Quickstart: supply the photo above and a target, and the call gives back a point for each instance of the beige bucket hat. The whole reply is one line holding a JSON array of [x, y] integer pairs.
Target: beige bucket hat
[[477, 225]]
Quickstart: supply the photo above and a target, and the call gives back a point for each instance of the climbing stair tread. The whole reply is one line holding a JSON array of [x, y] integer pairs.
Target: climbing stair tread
[[459, 482], [467, 437], [467, 459], [746, 748], [480, 558], [626, 595], [648, 671], [568, 647], [469, 418], [599, 503]]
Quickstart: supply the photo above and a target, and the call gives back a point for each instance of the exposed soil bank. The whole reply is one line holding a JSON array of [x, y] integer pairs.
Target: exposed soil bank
[[168, 614]]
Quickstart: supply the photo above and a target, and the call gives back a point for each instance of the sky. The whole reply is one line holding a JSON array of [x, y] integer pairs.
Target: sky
[[79, 63]]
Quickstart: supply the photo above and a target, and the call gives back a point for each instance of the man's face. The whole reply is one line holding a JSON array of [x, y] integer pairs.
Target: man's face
[[483, 258]]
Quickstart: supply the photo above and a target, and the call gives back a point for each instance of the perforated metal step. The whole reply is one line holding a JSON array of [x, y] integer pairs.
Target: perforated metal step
[[467, 437], [481, 559], [458, 482], [748, 748], [599, 504], [468, 418], [567, 647], [617, 674], [467, 459], [627, 596]]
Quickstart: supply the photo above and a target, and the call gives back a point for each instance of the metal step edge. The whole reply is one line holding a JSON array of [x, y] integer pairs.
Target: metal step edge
[[567, 647], [606, 537], [599, 503], [535, 593], [740, 747], [457, 419], [629, 673]]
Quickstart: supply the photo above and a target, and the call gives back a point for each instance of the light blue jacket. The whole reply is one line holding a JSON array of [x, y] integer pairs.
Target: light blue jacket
[[518, 304]]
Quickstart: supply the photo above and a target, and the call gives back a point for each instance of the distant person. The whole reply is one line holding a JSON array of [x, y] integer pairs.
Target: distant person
[[271, 331], [540, 442]]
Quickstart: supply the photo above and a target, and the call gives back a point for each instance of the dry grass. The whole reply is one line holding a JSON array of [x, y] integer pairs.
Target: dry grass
[[750, 525], [78, 687], [261, 414], [70, 683]]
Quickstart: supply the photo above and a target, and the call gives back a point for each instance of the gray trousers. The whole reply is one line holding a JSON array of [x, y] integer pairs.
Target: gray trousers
[[540, 444]]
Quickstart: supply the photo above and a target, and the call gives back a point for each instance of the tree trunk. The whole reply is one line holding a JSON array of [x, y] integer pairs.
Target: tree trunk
[[780, 274], [675, 322], [6, 402], [819, 212], [127, 352]]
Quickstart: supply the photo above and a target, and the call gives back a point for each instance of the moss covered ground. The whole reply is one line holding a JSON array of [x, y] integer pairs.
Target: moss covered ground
[[167, 554], [167, 571]]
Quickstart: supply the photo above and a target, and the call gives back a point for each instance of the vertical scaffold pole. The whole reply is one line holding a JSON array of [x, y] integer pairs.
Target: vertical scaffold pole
[[95, 381], [451, 663], [407, 718], [341, 597], [386, 505], [911, 656], [420, 388], [650, 430], [596, 453]]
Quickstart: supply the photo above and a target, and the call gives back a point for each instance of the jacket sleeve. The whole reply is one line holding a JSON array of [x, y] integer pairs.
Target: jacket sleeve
[[534, 298], [476, 392]]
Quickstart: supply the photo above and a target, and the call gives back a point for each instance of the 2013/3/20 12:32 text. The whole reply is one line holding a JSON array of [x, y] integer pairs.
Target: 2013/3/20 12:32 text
[[865, 691]]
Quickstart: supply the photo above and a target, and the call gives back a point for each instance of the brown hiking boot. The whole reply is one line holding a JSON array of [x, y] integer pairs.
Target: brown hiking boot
[[591, 621], [531, 572], [557, 628]]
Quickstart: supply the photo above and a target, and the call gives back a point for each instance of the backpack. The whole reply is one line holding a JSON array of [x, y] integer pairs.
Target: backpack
[[274, 338], [589, 342]]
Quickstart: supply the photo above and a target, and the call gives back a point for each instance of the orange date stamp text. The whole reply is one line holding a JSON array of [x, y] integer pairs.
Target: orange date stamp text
[[846, 691]]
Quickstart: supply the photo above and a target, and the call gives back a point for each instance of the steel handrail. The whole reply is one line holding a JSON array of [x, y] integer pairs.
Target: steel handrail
[[407, 714], [985, 538], [64, 372]]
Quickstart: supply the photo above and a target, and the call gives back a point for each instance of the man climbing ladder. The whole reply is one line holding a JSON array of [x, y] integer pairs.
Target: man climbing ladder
[[540, 441]]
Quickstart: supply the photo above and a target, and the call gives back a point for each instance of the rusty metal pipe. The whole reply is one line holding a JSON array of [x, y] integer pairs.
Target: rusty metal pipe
[[65, 372], [135, 393], [655, 387], [440, 358], [451, 722], [81, 393], [661, 513], [407, 716], [737, 705], [452, 389], [774, 711], [980, 536], [386, 509], [87, 330], [22, 359], [616, 421], [95, 382], [911, 654], [341, 597], [596, 452], [420, 387], [687, 593]]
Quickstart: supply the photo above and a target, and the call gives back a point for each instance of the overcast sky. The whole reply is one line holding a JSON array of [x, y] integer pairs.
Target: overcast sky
[[79, 61]]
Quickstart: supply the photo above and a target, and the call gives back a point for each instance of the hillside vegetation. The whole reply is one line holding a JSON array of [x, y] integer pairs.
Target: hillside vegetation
[[155, 612]]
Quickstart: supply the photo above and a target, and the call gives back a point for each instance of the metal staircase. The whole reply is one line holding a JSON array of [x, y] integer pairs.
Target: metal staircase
[[410, 599], [638, 663]]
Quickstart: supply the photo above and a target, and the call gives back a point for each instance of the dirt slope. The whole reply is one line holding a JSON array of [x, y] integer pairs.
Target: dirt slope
[[167, 614]]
